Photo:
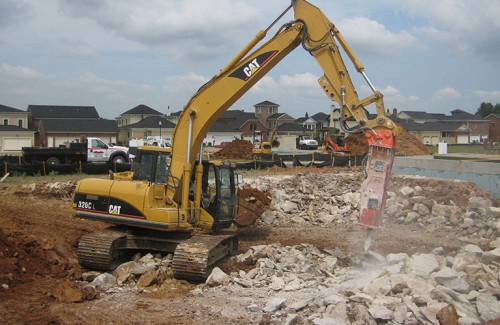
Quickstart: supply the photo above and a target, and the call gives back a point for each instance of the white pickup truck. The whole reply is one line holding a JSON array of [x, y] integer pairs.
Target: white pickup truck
[[306, 142], [92, 150]]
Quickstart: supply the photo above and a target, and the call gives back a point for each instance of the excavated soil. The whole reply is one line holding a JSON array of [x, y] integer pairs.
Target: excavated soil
[[237, 149], [38, 266], [406, 145]]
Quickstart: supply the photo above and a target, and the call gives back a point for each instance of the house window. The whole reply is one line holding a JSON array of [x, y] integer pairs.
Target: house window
[[20, 123], [5, 121]]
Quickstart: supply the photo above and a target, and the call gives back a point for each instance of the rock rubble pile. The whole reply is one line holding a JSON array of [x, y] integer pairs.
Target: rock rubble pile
[[302, 284], [399, 288], [329, 199]]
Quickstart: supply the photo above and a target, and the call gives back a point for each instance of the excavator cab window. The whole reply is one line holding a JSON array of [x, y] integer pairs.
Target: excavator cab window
[[143, 166], [152, 166], [218, 194], [162, 165]]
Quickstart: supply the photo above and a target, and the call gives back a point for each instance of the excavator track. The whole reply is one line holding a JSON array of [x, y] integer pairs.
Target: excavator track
[[195, 258], [98, 250]]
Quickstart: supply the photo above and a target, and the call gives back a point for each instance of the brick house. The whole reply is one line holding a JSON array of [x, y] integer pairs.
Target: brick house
[[458, 128]]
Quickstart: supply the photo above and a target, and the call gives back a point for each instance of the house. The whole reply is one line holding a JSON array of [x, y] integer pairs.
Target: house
[[173, 117], [432, 133], [478, 125], [136, 114], [264, 110], [59, 132], [418, 116], [322, 120], [307, 123], [13, 131], [246, 124], [458, 128], [56, 125], [40, 112], [219, 133], [152, 125]]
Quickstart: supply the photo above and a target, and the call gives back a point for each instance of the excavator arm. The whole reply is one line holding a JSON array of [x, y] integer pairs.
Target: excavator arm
[[318, 35]]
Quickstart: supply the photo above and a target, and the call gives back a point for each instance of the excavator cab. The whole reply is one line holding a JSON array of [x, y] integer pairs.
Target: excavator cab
[[218, 194], [152, 164], [218, 190]]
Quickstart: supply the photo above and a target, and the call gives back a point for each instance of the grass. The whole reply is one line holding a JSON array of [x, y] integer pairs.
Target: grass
[[468, 149]]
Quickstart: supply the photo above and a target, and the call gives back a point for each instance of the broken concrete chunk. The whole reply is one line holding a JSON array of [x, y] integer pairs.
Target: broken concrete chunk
[[273, 304], [217, 278]]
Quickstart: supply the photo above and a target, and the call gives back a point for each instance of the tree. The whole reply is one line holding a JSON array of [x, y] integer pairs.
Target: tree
[[486, 109]]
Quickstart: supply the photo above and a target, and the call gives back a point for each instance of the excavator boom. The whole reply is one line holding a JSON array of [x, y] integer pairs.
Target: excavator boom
[[316, 34]]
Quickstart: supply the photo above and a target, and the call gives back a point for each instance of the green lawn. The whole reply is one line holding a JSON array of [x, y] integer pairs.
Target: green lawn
[[468, 148]]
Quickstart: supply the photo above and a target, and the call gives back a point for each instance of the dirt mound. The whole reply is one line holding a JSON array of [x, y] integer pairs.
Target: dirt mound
[[23, 258], [357, 143], [238, 149], [406, 145]]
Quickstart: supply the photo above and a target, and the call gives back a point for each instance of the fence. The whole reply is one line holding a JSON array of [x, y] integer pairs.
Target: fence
[[12, 165]]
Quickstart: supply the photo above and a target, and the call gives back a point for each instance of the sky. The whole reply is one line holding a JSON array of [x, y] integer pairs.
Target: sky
[[423, 55]]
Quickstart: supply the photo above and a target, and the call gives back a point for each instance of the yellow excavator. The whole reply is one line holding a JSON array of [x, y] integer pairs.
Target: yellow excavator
[[264, 147], [174, 201]]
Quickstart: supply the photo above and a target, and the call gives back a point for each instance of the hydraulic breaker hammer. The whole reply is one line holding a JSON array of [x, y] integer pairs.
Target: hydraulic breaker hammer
[[378, 170]]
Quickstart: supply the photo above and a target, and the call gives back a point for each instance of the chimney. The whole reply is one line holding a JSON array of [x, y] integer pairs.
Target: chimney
[[394, 111], [168, 110]]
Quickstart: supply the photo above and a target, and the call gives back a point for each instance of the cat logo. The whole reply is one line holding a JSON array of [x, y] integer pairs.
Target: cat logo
[[114, 209], [252, 66]]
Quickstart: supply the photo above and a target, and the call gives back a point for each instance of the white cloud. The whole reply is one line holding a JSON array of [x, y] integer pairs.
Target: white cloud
[[492, 95], [265, 85], [186, 83], [369, 36], [389, 91], [299, 80], [18, 72], [446, 94]]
